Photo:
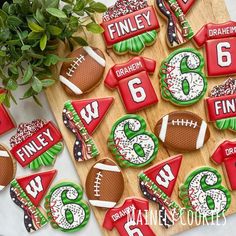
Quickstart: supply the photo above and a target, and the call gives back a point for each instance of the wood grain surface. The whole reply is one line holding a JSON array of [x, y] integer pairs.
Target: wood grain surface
[[204, 11]]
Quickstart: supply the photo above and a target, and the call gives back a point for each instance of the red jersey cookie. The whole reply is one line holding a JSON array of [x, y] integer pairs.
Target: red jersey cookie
[[220, 45], [36, 144], [133, 82], [221, 105], [6, 121], [74, 74], [128, 218], [7, 167], [129, 26], [226, 154]]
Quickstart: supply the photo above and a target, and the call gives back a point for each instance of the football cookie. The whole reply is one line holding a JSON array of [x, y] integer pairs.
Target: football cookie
[[6, 121], [221, 105], [65, 207], [84, 147], [178, 28], [129, 218], [36, 144], [203, 194], [182, 131], [84, 71], [104, 184], [131, 144], [133, 82], [219, 41], [181, 77], [130, 26], [34, 217], [7, 167], [225, 155], [157, 184]]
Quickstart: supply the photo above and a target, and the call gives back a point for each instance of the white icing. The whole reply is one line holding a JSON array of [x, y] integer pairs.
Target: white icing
[[95, 56], [105, 204], [70, 85], [4, 153], [163, 130], [101, 166], [201, 135]]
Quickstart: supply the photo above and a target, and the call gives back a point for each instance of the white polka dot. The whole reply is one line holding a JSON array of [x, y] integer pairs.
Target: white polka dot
[[26, 217], [79, 153], [145, 193], [171, 24], [77, 142], [174, 35], [168, 13], [29, 225]]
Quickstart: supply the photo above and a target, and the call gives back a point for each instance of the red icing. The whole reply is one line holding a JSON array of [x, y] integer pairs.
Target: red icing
[[117, 217], [226, 154], [40, 142], [6, 122], [36, 185], [220, 43], [221, 107], [164, 174], [133, 83], [130, 25], [92, 111], [185, 5]]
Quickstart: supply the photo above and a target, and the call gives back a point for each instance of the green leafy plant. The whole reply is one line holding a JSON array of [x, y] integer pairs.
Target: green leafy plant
[[29, 34]]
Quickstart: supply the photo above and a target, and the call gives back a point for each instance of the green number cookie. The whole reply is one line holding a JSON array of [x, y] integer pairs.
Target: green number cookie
[[181, 77], [131, 144], [65, 209], [203, 193]]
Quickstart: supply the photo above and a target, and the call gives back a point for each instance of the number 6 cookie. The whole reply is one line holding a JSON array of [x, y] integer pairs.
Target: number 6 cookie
[[181, 77], [131, 144]]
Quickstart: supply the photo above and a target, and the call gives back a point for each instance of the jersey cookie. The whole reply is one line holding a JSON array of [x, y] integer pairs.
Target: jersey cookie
[[36, 144], [74, 74], [178, 28], [203, 194], [133, 82], [130, 26], [181, 77], [221, 105], [219, 41], [65, 208], [130, 143]]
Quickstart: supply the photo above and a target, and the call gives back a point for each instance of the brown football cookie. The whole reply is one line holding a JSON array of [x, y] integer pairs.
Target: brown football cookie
[[104, 184], [182, 131], [7, 167], [84, 71]]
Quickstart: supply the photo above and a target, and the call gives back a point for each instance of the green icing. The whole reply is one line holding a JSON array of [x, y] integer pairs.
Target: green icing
[[229, 123]]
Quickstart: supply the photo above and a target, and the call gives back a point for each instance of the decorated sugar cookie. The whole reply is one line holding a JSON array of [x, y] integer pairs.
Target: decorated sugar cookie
[[225, 155], [186, 5], [203, 194], [133, 82], [130, 143], [221, 105], [157, 184], [219, 41], [181, 77], [7, 167], [85, 70], [36, 144], [104, 184], [82, 117], [182, 131], [21, 195], [129, 218], [178, 29], [65, 208], [130, 26], [6, 121]]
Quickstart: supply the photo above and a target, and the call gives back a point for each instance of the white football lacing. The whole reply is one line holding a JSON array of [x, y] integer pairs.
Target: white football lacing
[[97, 184], [74, 65], [185, 123]]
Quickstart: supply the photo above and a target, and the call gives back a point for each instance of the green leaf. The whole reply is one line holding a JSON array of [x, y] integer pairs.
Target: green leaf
[[35, 27], [2, 97], [37, 101], [56, 12], [6, 102], [54, 30], [47, 82], [14, 70], [3, 15], [5, 6], [51, 59], [79, 6], [28, 74], [37, 85], [51, 3], [98, 7], [2, 54], [13, 20], [34, 35], [29, 93], [94, 28], [39, 17], [11, 84], [80, 41], [43, 42], [25, 47]]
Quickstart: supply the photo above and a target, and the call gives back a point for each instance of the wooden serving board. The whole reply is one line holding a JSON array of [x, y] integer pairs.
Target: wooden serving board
[[204, 11]]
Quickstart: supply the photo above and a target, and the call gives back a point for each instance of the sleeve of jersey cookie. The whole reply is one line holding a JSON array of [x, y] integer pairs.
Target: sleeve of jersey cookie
[[111, 80], [218, 156], [141, 204], [108, 223], [150, 65], [201, 36]]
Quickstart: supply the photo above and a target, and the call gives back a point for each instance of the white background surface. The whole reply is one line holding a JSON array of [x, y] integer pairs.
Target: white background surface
[[11, 217]]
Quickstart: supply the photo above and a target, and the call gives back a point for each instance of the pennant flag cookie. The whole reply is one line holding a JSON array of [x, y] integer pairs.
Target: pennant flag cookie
[[186, 5], [6, 121], [36, 185]]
